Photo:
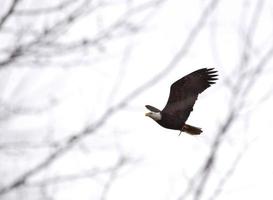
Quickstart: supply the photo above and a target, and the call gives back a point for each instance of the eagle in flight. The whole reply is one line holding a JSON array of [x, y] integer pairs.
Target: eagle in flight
[[183, 94]]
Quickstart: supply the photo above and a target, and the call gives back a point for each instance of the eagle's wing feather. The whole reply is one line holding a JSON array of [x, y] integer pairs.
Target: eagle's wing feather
[[184, 92]]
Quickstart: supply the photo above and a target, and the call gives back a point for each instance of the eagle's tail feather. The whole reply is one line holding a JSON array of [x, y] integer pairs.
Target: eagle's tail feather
[[192, 130]]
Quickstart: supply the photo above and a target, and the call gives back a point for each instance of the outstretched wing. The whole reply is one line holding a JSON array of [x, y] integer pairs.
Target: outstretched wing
[[184, 92]]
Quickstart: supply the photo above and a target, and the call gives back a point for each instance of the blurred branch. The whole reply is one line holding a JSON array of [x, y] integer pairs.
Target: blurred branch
[[246, 55], [227, 175], [198, 181], [9, 13], [239, 92], [46, 43], [231, 117], [113, 175], [121, 74], [249, 36], [93, 127], [211, 159], [38, 11], [45, 37], [7, 111], [82, 175]]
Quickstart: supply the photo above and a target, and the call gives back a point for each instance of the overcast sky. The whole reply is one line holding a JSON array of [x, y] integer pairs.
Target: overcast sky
[[76, 120]]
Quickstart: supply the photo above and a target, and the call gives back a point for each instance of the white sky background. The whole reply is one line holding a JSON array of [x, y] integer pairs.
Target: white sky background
[[160, 163]]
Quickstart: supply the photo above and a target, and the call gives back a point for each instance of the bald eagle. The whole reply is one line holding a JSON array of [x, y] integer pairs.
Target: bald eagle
[[183, 94]]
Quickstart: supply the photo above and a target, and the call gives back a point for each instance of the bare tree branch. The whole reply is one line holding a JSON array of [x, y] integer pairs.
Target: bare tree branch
[[9, 13], [92, 128], [227, 176], [83, 174], [211, 159], [46, 43], [248, 75], [113, 176], [209, 163], [38, 11]]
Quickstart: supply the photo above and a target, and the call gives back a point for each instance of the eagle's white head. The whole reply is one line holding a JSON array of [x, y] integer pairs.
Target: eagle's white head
[[154, 115]]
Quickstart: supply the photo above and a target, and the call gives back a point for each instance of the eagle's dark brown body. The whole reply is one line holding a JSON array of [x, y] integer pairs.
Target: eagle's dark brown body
[[170, 122], [183, 94]]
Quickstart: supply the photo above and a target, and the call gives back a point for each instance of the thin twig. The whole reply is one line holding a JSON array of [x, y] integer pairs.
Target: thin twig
[[92, 128], [9, 13]]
